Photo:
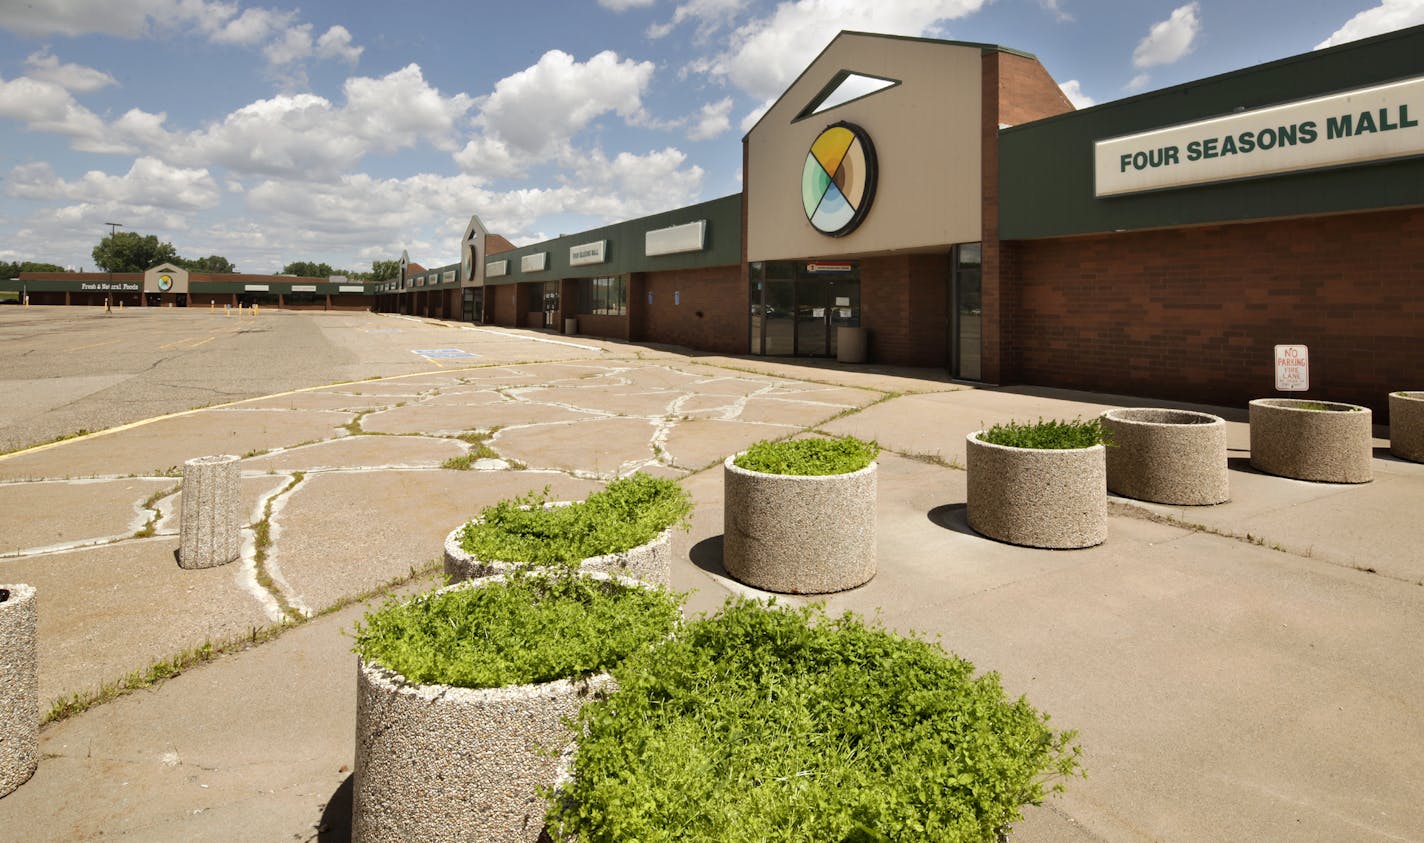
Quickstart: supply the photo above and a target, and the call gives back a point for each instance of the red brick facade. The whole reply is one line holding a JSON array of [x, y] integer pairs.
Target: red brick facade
[[710, 310], [904, 306], [1194, 313], [1016, 90]]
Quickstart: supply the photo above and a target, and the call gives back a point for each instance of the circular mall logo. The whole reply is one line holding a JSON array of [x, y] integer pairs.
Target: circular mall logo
[[838, 181], [165, 282]]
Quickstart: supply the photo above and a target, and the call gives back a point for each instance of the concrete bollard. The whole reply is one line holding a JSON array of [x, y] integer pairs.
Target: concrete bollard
[[19, 687], [209, 527]]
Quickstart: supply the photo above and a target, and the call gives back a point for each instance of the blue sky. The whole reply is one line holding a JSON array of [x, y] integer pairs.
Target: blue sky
[[346, 132]]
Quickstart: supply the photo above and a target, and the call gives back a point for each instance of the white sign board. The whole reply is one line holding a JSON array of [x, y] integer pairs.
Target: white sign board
[[689, 237], [257, 288], [1292, 368], [495, 269], [350, 288], [588, 253], [1366, 124], [304, 288], [534, 263]]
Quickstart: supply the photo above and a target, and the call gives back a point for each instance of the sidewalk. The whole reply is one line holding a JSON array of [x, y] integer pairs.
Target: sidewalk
[[1233, 671]]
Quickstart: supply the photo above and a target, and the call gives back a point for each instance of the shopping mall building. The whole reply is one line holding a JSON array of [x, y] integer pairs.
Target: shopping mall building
[[946, 199]]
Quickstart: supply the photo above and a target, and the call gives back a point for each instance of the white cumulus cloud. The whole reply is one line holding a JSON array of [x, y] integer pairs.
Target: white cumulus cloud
[[72, 77], [149, 183], [1167, 41], [1388, 16], [1074, 92], [532, 115], [768, 53], [712, 120]]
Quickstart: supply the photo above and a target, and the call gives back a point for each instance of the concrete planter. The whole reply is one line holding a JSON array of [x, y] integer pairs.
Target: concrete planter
[[1167, 456], [209, 529], [19, 688], [1296, 438], [1406, 425], [436, 762], [799, 535], [1053, 498], [651, 562]]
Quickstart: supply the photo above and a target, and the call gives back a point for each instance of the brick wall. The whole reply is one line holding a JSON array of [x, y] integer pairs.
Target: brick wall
[[713, 314], [1016, 90], [904, 306], [1194, 313]]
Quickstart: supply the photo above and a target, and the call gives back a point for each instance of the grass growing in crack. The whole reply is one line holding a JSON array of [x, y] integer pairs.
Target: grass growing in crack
[[480, 451], [162, 670], [262, 543], [929, 459], [151, 504], [353, 427], [256, 452], [83, 431]]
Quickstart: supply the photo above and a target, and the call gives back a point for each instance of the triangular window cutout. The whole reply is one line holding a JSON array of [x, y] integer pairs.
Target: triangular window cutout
[[844, 87]]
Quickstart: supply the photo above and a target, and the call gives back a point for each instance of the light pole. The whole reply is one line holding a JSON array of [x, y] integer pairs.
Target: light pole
[[108, 294]]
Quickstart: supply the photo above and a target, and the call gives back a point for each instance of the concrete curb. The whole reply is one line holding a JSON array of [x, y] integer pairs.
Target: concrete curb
[[1333, 445], [210, 534], [1052, 498], [1406, 425], [436, 762], [19, 688], [799, 535], [650, 562], [1167, 456]]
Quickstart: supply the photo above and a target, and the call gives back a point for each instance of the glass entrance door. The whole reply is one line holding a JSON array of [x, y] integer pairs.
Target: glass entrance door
[[796, 307]]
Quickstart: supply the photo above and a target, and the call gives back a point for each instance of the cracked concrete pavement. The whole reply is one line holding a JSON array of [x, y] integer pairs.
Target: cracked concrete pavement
[[1234, 672]]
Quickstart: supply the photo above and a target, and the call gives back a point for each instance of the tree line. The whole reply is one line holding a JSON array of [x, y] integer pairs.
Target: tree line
[[129, 251]]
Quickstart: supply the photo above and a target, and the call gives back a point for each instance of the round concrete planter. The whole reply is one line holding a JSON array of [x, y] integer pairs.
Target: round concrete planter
[[436, 762], [1291, 438], [651, 562], [19, 689], [798, 535], [1054, 498], [1167, 456], [1406, 425]]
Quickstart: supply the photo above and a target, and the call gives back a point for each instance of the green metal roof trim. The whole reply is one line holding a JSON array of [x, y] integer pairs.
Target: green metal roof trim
[[195, 288], [1046, 180], [624, 254]]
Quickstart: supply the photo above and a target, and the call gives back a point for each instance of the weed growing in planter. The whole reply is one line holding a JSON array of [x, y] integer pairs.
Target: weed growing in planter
[[809, 457], [1322, 407], [1053, 434], [627, 513], [530, 628], [759, 724]]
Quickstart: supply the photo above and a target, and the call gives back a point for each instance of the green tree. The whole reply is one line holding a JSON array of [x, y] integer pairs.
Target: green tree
[[129, 251], [384, 270], [308, 269], [12, 269], [209, 264]]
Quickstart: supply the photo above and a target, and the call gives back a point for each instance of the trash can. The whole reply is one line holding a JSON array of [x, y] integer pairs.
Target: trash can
[[852, 345]]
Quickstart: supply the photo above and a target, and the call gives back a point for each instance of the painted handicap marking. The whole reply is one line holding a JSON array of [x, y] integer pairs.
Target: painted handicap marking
[[446, 353]]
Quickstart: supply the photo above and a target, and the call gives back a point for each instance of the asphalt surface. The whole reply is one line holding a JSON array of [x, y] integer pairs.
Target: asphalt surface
[[67, 369], [1247, 671]]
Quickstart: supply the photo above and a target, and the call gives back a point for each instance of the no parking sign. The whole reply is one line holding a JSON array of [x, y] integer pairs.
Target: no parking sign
[[1292, 368]]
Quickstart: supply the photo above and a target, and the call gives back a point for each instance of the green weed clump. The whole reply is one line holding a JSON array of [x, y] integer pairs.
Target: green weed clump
[[629, 512], [809, 457], [530, 628], [767, 724], [1053, 434]]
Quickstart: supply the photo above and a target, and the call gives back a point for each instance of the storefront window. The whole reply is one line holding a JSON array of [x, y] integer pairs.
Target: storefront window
[[604, 296], [796, 306]]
